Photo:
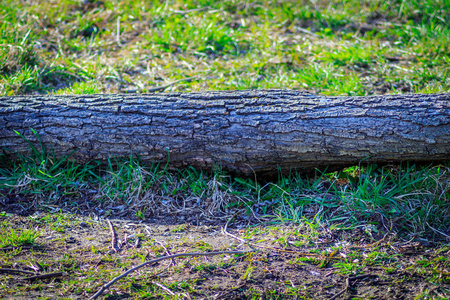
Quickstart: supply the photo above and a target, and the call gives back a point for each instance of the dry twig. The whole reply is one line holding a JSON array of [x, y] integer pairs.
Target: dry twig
[[223, 294], [164, 288], [166, 251], [163, 87], [113, 238], [18, 247], [106, 286], [8, 270], [347, 284], [136, 244], [44, 276]]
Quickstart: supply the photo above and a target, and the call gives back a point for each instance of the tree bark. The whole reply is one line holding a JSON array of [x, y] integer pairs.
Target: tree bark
[[245, 131]]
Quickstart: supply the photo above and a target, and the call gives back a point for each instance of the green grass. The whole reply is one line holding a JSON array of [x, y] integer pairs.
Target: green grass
[[16, 237], [335, 48], [410, 199]]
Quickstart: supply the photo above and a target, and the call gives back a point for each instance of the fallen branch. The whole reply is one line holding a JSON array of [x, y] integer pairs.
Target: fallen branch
[[106, 286]]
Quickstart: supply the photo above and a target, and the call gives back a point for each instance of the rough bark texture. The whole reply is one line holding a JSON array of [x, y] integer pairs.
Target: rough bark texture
[[244, 131]]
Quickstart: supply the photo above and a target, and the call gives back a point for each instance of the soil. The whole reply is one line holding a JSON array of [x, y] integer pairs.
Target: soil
[[292, 261]]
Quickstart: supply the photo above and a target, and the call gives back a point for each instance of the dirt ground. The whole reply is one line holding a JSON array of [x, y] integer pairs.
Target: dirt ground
[[289, 261]]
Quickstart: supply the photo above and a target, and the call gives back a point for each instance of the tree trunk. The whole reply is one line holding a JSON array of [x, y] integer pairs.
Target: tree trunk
[[244, 131]]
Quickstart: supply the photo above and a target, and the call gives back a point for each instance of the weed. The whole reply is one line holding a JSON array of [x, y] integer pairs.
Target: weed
[[248, 272], [84, 88], [140, 215], [180, 228], [347, 267], [16, 237], [40, 172], [57, 221]]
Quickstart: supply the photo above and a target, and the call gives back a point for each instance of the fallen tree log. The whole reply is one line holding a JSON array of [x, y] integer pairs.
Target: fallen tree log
[[244, 131]]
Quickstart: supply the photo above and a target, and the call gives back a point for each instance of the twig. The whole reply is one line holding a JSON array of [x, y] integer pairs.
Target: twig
[[44, 276], [185, 12], [118, 33], [347, 284], [164, 288], [163, 87], [8, 270], [37, 267], [223, 294], [17, 247], [106, 286], [435, 230], [166, 251], [164, 247], [307, 31], [136, 244], [329, 274], [229, 234], [113, 237]]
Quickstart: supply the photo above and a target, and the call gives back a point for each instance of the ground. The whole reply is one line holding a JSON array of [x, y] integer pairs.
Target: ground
[[290, 261]]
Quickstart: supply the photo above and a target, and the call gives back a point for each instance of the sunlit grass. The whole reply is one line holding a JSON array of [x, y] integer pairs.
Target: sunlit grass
[[10, 237], [335, 48], [409, 199]]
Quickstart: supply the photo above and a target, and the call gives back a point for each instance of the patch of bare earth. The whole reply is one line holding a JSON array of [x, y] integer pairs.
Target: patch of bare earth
[[287, 261]]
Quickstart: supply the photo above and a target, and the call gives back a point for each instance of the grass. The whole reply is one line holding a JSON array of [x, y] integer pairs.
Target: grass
[[334, 48], [409, 198], [16, 237]]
